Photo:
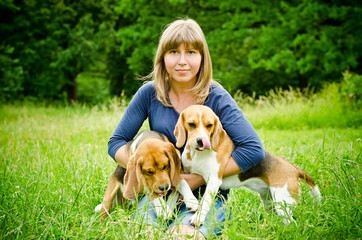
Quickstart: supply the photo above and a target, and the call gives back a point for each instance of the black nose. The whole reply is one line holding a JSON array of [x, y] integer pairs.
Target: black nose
[[199, 142], [163, 188]]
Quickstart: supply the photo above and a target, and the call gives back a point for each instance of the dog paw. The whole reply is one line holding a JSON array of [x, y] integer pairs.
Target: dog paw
[[197, 219], [163, 212], [192, 204], [98, 208]]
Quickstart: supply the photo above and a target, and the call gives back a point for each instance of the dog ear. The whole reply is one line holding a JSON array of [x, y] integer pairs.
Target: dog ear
[[175, 164], [131, 178], [218, 135], [180, 132]]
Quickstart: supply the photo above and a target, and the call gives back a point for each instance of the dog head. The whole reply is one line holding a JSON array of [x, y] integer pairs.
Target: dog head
[[201, 127], [154, 166]]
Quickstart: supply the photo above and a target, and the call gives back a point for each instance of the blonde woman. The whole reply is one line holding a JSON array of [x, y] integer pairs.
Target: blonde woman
[[182, 76]]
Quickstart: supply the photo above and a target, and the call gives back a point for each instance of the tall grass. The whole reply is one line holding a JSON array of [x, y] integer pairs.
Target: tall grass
[[296, 109], [54, 170]]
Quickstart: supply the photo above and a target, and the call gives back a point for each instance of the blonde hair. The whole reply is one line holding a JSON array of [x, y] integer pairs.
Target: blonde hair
[[185, 31]]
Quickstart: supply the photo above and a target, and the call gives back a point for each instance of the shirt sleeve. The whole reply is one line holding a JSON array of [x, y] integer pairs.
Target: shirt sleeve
[[132, 120], [249, 150]]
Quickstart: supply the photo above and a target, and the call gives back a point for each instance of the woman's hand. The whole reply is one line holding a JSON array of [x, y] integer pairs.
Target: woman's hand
[[194, 180]]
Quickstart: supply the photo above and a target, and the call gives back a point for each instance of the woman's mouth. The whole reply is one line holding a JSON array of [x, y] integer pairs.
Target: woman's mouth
[[182, 71]]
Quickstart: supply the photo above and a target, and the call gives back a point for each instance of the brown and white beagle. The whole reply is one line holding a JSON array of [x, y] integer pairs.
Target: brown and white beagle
[[154, 167], [207, 151]]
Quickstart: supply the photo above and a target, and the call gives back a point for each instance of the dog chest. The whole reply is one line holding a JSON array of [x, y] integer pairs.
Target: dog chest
[[203, 163]]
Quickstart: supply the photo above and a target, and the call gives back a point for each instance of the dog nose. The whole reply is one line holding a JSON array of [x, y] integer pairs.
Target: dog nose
[[163, 188], [199, 142]]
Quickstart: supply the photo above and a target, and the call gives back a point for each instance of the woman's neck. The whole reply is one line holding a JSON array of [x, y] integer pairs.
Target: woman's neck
[[181, 97]]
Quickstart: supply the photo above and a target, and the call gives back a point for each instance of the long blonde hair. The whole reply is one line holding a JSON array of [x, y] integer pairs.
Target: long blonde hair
[[185, 31]]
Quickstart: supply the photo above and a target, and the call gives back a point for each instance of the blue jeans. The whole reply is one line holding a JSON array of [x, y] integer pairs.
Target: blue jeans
[[212, 226]]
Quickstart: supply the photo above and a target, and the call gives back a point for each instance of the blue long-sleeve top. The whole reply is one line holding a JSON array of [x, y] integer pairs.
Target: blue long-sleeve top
[[248, 151]]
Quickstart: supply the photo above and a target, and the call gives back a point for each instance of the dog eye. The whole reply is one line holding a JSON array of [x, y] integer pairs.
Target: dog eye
[[149, 172], [209, 125], [192, 125], [165, 167]]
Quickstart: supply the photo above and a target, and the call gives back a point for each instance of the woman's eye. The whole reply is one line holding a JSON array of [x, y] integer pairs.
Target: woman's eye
[[192, 125], [191, 52], [173, 51]]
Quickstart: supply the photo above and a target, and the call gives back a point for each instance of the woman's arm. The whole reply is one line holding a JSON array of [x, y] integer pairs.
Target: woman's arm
[[130, 123], [248, 150], [121, 156], [231, 168]]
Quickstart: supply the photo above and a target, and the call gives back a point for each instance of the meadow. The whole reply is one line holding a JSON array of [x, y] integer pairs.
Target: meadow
[[54, 169]]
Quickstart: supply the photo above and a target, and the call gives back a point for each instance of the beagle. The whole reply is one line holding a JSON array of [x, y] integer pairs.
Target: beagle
[[153, 167], [207, 151]]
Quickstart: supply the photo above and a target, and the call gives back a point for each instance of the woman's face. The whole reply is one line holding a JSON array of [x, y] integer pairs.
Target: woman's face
[[183, 63]]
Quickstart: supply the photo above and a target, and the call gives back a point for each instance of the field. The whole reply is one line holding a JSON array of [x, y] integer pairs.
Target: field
[[54, 170]]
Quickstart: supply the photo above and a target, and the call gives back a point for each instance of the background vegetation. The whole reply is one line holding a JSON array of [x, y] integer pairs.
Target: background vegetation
[[88, 50]]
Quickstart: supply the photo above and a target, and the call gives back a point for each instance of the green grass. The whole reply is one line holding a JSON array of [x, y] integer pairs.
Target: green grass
[[54, 170]]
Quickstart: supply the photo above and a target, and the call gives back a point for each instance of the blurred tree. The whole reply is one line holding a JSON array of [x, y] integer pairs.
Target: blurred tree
[[264, 44], [255, 45], [46, 44]]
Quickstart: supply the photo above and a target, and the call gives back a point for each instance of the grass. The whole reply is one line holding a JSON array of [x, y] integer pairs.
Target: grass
[[54, 170]]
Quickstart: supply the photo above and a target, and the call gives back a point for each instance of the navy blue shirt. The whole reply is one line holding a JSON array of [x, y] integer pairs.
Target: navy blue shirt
[[248, 151]]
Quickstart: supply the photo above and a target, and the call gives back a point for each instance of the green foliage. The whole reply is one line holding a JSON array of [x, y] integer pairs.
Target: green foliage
[[255, 45], [299, 44], [46, 44], [296, 109], [92, 89], [352, 90]]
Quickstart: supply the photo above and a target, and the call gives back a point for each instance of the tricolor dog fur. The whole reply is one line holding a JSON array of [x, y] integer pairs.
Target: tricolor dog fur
[[153, 167], [207, 151]]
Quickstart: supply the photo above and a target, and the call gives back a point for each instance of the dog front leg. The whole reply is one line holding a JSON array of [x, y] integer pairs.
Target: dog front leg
[[211, 190], [171, 204], [188, 197], [161, 207]]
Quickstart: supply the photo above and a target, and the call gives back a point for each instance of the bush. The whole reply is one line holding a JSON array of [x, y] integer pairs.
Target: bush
[[92, 89], [296, 109], [351, 89]]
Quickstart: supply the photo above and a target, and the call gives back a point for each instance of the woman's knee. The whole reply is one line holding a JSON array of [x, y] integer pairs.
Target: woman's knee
[[183, 231]]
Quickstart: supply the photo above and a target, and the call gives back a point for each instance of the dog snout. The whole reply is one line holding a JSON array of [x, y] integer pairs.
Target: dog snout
[[164, 188], [203, 143]]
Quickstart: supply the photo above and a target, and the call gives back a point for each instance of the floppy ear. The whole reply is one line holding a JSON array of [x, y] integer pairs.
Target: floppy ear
[[131, 179], [175, 165], [218, 135], [180, 132]]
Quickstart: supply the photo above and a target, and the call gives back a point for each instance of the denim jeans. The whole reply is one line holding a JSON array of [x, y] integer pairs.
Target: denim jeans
[[212, 226]]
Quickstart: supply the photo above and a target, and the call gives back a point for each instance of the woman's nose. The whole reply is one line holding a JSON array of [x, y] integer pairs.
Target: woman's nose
[[182, 60]]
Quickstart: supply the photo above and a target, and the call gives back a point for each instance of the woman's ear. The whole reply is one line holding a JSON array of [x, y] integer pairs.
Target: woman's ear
[[180, 132], [131, 179]]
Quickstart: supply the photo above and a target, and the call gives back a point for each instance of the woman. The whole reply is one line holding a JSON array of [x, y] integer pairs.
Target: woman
[[182, 76]]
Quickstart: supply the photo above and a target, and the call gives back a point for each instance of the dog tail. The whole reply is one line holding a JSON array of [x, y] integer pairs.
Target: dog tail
[[304, 176]]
